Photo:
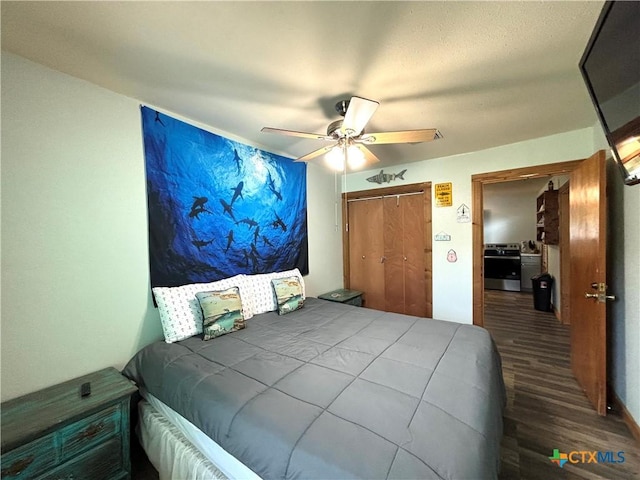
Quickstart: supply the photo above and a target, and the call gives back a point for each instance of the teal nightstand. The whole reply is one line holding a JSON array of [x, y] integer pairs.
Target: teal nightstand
[[342, 295], [57, 433]]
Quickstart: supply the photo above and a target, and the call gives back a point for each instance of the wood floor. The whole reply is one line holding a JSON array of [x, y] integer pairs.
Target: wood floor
[[546, 409]]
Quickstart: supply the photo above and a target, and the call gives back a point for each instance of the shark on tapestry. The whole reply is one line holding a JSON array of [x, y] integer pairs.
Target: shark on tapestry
[[218, 207]]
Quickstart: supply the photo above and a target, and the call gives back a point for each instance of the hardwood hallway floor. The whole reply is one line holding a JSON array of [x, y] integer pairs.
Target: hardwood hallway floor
[[546, 408]]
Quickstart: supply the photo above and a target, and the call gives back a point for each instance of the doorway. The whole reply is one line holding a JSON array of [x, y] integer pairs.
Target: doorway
[[588, 264], [477, 192]]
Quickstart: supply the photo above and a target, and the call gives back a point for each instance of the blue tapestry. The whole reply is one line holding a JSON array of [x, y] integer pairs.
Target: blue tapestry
[[217, 207]]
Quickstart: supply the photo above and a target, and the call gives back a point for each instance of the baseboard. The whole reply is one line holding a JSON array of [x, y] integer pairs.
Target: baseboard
[[620, 407]]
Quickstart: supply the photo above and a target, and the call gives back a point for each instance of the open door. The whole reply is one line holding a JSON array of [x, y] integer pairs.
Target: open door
[[588, 205]]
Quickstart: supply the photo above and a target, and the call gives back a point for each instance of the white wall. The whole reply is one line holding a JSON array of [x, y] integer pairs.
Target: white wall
[[623, 279], [626, 341], [509, 213], [75, 273], [325, 235]]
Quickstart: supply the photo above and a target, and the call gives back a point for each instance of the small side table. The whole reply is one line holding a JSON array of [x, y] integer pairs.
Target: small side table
[[59, 433], [342, 295]]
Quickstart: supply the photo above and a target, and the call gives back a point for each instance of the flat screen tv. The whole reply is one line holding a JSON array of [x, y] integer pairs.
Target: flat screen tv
[[610, 67]]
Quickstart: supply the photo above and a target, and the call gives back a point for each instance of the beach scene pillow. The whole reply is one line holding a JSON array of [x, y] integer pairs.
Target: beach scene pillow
[[261, 288], [288, 293], [222, 312]]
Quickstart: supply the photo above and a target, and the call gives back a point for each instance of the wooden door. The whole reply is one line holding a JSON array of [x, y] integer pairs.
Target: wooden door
[[404, 250], [366, 249], [394, 285], [414, 250], [587, 199]]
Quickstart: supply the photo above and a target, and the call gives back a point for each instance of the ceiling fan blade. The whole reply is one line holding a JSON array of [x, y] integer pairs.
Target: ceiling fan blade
[[359, 112], [293, 133], [314, 154], [405, 136]]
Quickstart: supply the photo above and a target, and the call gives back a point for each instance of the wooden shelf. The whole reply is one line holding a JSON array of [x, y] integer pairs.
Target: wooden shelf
[[547, 221]]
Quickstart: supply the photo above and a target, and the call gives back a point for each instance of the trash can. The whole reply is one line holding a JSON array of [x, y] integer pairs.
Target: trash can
[[542, 285]]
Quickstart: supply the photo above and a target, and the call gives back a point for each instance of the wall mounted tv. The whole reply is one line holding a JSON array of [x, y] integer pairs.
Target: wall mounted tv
[[610, 67]]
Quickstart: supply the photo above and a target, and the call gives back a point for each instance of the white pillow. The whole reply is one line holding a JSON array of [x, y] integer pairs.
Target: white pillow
[[180, 312], [261, 291]]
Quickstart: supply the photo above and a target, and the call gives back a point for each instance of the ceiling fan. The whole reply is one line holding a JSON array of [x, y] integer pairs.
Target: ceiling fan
[[348, 138]]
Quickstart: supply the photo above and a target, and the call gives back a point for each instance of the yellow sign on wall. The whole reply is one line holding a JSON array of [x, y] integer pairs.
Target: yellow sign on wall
[[444, 194]]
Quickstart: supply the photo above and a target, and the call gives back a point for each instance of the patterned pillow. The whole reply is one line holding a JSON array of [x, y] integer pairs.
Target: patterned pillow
[[222, 312], [262, 298], [288, 293], [180, 312]]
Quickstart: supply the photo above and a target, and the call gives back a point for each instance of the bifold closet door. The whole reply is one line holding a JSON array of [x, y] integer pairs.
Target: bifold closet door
[[404, 255], [394, 254], [414, 252], [366, 249]]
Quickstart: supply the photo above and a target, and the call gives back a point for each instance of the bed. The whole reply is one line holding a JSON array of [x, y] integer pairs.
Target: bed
[[326, 391]]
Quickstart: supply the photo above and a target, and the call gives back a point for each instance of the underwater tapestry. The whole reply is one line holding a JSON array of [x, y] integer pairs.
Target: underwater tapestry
[[217, 207]]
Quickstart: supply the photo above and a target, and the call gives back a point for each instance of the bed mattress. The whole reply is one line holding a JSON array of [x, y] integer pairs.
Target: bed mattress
[[179, 449], [336, 391], [170, 451]]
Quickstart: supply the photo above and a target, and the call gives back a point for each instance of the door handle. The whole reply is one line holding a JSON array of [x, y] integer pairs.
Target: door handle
[[382, 259], [601, 296]]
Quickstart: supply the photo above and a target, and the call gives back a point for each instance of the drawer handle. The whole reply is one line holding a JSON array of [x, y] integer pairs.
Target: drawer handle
[[18, 467], [92, 431]]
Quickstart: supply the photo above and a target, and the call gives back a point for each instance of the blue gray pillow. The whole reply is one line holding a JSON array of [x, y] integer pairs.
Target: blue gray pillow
[[222, 312], [288, 293]]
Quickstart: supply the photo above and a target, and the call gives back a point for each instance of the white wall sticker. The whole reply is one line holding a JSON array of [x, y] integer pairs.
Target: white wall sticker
[[464, 214], [442, 237]]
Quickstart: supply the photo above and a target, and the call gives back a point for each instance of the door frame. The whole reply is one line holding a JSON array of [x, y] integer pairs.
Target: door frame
[[425, 188], [477, 213], [565, 254]]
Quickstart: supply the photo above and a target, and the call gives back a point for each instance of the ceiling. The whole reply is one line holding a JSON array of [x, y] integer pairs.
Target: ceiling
[[484, 73]]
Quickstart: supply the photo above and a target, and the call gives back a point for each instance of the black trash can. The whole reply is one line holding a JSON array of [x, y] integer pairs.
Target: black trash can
[[542, 285]]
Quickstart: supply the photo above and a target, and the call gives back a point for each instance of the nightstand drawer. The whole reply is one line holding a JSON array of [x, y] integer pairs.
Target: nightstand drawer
[[31, 459], [90, 431], [102, 463]]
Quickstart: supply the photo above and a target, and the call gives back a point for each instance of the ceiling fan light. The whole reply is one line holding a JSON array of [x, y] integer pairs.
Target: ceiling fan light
[[355, 157], [335, 159]]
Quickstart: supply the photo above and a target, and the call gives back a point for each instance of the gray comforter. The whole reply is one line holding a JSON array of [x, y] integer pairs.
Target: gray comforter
[[334, 391]]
